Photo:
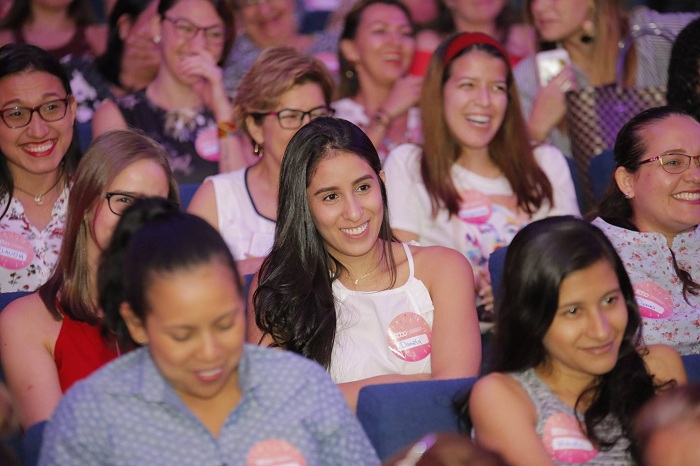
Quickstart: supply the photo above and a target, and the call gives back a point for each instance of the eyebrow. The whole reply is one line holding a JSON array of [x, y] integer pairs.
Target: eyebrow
[[576, 303], [335, 188], [14, 102], [234, 313]]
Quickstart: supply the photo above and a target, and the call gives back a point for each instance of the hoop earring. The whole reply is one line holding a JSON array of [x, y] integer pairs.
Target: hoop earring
[[588, 32], [258, 150]]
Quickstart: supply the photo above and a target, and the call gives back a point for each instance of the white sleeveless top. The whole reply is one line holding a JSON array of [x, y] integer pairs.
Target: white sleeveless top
[[382, 332], [247, 232]]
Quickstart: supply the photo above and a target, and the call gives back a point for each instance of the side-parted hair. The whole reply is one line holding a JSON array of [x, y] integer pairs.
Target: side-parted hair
[[611, 25], [276, 71], [630, 148], [110, 62], [21, 11], [294, 301], [24, 58], [684, 71], [348, 85], [538, 260], [108, 155], [510, 148], [153, 238], [224, 8]]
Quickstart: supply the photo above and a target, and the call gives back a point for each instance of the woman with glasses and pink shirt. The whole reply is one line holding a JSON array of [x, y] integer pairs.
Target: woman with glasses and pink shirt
[[38, 155], [651, 213], [185, 107], [52, 338], [281, 92]]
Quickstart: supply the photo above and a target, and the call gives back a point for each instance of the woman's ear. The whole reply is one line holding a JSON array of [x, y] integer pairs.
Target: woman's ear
[[382, 176], [254, 128], [136, 327], [349, 51], [124, 26], [625, 181]]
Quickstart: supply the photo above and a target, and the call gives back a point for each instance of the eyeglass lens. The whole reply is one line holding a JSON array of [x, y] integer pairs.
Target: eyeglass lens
[[18, 117]]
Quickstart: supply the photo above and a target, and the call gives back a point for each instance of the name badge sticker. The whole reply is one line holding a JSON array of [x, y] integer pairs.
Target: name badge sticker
[[275, 452], [207, 144], [16, 252], [409, 336], [475, 207], [653, 300], [564, 440]]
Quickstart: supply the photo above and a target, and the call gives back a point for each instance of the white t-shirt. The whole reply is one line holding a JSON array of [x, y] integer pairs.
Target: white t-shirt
[[486, 221]]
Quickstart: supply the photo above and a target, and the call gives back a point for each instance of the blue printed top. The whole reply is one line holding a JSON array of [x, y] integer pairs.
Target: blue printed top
[[290, 412]]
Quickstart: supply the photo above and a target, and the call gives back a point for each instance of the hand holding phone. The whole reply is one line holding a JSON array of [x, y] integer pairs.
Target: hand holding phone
[[550, 64]]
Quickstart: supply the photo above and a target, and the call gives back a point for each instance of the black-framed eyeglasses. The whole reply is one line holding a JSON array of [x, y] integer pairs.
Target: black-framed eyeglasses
[[19, 117], [119, 202], [673, 162], [187, 30], [290, 118]]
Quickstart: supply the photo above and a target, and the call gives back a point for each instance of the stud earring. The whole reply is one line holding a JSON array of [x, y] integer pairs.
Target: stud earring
[[627, 195], [156, 39], [349, 74], [258, 150]]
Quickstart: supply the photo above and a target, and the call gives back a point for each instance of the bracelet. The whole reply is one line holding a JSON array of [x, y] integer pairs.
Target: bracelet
[[225, 128], [381, 118]]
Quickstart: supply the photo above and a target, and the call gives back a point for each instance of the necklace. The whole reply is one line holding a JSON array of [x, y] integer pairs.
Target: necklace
[[38, 199], [357, 280]]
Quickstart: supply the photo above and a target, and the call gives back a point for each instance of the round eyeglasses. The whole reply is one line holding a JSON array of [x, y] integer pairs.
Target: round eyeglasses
[[19, 117], [119, 202], [673, 162], [187, 30], [290, 118]]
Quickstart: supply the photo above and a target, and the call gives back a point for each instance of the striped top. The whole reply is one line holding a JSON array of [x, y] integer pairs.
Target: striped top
[[653, 55]]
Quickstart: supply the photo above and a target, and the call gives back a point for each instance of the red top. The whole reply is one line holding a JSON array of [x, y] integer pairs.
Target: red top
[[80, 350]]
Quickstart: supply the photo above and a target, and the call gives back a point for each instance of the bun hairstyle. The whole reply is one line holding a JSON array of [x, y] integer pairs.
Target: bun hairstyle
[[152, 238]]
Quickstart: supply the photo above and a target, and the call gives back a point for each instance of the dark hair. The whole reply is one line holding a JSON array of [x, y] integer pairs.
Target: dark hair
[[153, 237], [348, 85], [630, 148], [294, 301], [24, 58], [444, 23], [109, 63], [79, 10], [109, 154], [684, 70], [510, 148], [224, 9], [539, 258]]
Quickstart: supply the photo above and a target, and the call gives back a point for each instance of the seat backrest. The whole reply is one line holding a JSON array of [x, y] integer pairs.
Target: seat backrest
[[497, 261], [692, 367], [398, 414], [186, 193], [7, 298], [600, 172]]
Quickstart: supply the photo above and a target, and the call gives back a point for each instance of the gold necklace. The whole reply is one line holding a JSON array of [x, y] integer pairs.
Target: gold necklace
[[38, 199], [364, 276]]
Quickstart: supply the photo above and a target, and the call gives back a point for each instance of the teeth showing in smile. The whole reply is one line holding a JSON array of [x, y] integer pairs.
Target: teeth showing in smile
[[38, 148], [479, 120], [687, 196], [210, 373], [355, 231]]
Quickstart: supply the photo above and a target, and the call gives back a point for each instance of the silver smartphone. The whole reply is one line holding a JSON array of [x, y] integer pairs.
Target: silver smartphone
[[550, 63]]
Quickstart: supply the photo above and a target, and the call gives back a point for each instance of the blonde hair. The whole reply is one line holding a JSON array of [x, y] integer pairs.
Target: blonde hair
[[276, 71]]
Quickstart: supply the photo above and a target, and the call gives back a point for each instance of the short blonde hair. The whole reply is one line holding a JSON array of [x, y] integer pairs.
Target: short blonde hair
[[276, 71]]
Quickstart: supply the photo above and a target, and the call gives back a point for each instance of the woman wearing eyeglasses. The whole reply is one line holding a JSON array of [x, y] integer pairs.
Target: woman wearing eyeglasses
[[51, 339], [185, 107], [282, 91], [651, 214], [38, 154]]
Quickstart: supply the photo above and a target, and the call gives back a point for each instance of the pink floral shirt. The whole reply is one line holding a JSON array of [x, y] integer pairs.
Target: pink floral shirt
[[667, 317], [28, 255]]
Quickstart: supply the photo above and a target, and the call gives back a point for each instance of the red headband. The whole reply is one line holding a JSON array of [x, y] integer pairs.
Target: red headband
[[466, 39]]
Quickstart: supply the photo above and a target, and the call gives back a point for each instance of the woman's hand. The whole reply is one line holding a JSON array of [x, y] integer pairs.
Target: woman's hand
[[208, 84], [404, 94], [549, 106]]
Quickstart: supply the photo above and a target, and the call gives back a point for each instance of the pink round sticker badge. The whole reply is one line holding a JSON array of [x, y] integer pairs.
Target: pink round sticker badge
[[207, 144], [564, 440], [274, 452], [409, 337], [653, 300], [16, 252], [475, 206]]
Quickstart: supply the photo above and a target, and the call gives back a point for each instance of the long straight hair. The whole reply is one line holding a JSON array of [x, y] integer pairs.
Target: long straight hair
[[108, 155], [294, 301], [510, 148]]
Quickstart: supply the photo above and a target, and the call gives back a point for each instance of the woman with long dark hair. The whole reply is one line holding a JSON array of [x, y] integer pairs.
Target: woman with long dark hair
[[339, 289], [569, 369]]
